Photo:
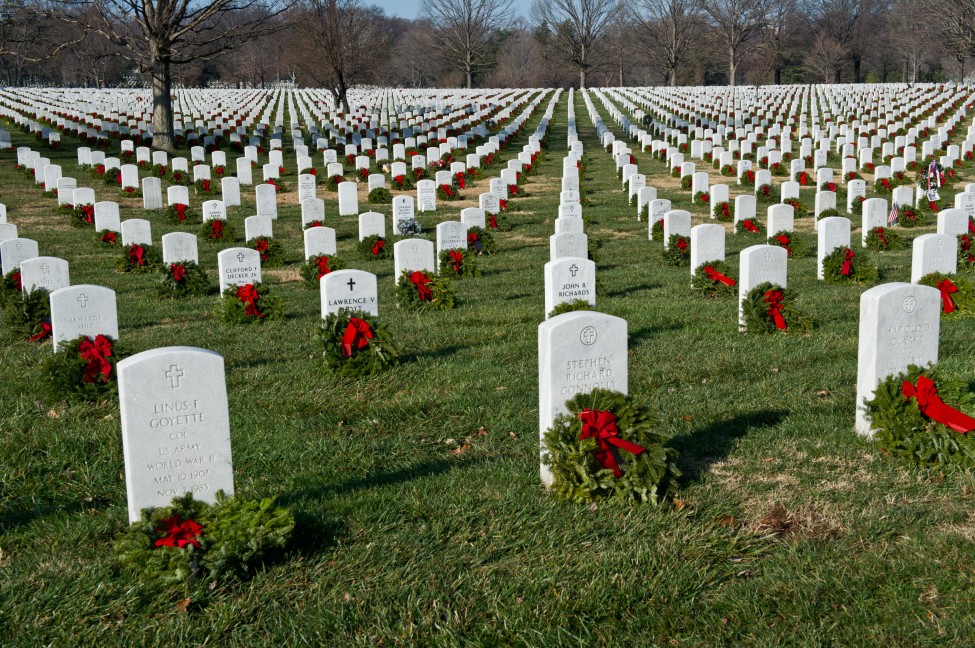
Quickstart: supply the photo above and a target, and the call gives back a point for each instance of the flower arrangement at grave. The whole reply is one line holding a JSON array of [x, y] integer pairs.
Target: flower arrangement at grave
[[458, 264], [768, 308], [217, 230], [899, 178], [311, 224], [332, 182], [409, 227], [702, 197], [107, 237], [918, 415], [249, 304], [713, 279], [778, 169], [27, 315], [82, 215], [869, 166], [480, 241], [884, 186], [607, 446], [375, 247], [182, 279], [685, 182], [380, 196], [911, 218], [678, 250], [957, 293], [417, 289], [764, 194], [83, 369], [569, 307], [749, 226], [271, 251], [204, 186], [190, 548], [804, 179], [127, 156], [278, 185], [884, 239], [316, 267], [178, 213], [497, 222], [844, 265], [793, 244], [138, 258], [357, 344]]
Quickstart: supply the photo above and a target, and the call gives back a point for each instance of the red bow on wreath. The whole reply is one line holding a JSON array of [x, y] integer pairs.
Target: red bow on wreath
[[492, 221], [420, 280], [971, 226], [502, 203], [356, 337], [682, 244], [880, 234], [178, 270], [750, 225], [377, 247], [248, 294], [460, 180], [96, 353], [847, 266], [180, 210], [601, 426], [784, 241], [15, 278], [43, 334], [323, 269], [947, 288], [216, 228], [774, 300], [931, 405], [714, 275], [261, 247], [88, 213], [205, 184], [179, 533], [136, 253], [457, 260], [108, 237]]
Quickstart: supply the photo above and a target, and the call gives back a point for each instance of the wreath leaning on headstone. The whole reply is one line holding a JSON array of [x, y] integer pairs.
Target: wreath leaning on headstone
[[271, 251], [356, 344], [768, 308], [375, 247], [609, 447], [28, 315], [915, 417], [138, 258], [417, 289], [83, 369], [713, 279], [217, 230], [957, 293], [884, 239], [480, 241], [792, 243], [844, 265], [458, 264], [570, 306], [966, 255], [678, 250], [248, 304], [182, 279], [316, 267], [190, 547]]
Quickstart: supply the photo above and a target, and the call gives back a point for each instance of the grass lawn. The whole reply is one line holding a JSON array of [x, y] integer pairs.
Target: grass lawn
[[420, 515]]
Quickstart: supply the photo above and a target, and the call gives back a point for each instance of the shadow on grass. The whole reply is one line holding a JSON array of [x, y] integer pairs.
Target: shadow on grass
[[646, 333], [629, 290], [702, 448], [441, 352], [12, 519]]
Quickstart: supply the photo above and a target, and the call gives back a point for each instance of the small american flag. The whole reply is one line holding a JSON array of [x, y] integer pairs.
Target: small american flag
[[893, 215]]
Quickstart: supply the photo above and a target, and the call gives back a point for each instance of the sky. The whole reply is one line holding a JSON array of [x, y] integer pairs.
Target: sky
[[409, 8]]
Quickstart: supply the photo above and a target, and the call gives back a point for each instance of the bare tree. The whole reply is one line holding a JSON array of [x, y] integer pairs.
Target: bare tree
[[854, 24], [518, 61], [954, 22], [578, 27], [824, 56], [463, 30], [784, 23], [668, 28], [910, 31], [160, 34], [739, 24]]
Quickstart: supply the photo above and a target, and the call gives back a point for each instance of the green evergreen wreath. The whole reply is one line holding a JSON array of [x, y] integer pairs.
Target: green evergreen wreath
[[792, 243], [826, 213], [759, 319], [68, 374], [962, 301], [884, 239], [316, 267], [593, 246], [138, 258], [408, 295], [657, 231], [180, 214], [332, 182], [28, 315], [356, 354], [724, 211], [578, 473], [678, 251], [375, 247], [799, 208], [83, 216], [448, 193], [10, 286], [685, 182], [714, 287], [217, 231], [480, 241], [459, 264], [497, 222], [856, 205], [910, 218], [380, 196], [107, 237], [750, 227], [966, 255], [176, 283], [234, 307], [570, 306], [764, 194], [862, 269], [271, 251], [903, 431], [190, 547]]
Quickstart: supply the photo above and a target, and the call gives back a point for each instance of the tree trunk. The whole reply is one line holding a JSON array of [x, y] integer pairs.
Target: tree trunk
[[582, 78], [836, 75], [778, 75], [672, 76], [961, 66], [731, 68], [470, 77], [162, 105], [856, 69]]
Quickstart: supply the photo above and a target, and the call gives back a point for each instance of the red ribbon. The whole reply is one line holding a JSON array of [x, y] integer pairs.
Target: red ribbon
[[179, 533], [136, 252], [96, 352], [377, 247], [356, 337], [513, 190], [601, 426], [714, 275], [88, 213], [880, 233], [216, 228], [45, 332], [205, 184], [248, 295], [180, 210], [261, 247], [774, 300], [682, 244], [15, 278], [460, 180], [971, 226], [784, 241], [457, 260], [178, 270], [322, 263], [934, 408], [749, 225], [420, 280], [492, 221], [847, 266], [947, 288], [502, 203], [108, 237]]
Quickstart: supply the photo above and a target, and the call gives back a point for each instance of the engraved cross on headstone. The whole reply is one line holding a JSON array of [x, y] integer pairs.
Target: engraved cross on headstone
[[45, 268], [174, 374], [573, 269], [83, 300], [351, 284], [240, 257]]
